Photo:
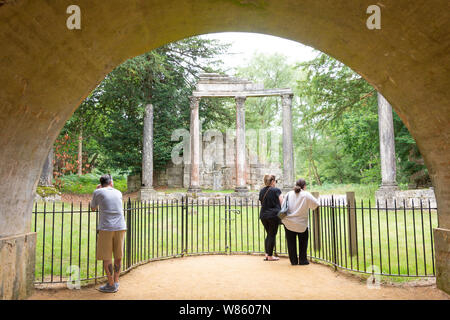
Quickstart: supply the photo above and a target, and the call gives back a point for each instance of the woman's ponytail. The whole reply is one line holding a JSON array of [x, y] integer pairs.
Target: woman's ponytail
[[299, 185]]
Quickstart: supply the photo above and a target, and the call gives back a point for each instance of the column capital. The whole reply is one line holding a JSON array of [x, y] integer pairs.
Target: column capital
[[286, 99], [287, 95], [240, 100], [194, 101]]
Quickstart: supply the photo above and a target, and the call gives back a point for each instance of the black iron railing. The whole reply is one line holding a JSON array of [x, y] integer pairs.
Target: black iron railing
[[362, 238]]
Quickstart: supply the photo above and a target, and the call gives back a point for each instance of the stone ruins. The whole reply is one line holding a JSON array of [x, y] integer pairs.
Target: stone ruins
[[217, 161], [238, 174]]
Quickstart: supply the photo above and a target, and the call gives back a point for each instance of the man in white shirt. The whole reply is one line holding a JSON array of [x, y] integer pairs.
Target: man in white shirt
[[111, 230]]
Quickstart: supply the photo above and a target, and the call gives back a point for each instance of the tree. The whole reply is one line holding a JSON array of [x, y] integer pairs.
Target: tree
[[343, 107], [274, 72], [111, 118], [265, 113]]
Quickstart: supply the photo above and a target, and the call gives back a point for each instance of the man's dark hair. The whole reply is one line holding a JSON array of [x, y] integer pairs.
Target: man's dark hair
[[105, 180]]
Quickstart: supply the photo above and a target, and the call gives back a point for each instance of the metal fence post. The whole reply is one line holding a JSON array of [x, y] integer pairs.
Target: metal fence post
[[129, 231], [316, 225], [186, 213], [333, 233], [351, 215], [182, 225], [226, 222]]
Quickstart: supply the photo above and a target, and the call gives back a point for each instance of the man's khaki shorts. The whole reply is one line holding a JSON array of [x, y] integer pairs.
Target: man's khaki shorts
[[109, 242]]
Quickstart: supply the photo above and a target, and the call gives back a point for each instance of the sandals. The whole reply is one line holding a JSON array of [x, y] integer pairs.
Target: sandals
[[273, 259]]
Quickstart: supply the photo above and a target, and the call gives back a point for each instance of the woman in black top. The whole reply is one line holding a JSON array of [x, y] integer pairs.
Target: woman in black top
[[271, 199]]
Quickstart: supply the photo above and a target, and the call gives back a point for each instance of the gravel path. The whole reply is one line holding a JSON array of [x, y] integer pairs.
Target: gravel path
[[240, 277]]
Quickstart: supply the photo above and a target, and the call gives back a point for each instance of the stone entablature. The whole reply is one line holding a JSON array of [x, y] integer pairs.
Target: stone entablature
[[254, 93], [212, 82]]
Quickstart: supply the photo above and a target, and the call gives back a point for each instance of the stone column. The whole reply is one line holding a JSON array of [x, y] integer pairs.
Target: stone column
[[241, 183], [288, 146], [194, 184], [386, 192], [147, 192], [46, 178]]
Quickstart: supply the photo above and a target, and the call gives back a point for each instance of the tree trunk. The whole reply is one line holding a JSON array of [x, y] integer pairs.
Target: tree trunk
[[80, 153], [313, 166], [92, 162], [316, 174]]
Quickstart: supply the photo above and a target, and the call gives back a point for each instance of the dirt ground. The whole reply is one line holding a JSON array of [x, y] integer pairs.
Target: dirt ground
[[240, 277]]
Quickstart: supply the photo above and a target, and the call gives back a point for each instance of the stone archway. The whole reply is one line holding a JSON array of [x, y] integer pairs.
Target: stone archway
[[47, 70]]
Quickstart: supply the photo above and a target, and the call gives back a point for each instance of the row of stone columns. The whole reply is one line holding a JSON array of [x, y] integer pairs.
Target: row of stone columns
[[386, 133], [241, 183]]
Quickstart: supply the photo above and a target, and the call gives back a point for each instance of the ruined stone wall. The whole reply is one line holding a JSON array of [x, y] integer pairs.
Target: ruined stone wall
[[407, 198], [217, 170], [133, 183]]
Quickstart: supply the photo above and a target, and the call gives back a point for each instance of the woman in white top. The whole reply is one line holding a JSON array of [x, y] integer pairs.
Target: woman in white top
[[296, 221]]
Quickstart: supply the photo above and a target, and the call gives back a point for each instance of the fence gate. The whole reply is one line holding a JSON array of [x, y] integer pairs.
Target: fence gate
[[231, 214], [210, 226]]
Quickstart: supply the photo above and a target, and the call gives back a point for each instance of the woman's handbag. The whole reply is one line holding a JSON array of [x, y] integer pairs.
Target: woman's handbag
[[284, 209]]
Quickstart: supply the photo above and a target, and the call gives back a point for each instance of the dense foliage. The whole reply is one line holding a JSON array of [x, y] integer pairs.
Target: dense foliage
[[335, 116], [111, 118], [340, 107], [335, 120]]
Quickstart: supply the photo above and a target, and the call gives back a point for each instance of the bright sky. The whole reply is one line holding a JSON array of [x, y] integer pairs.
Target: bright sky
[[244, 45]]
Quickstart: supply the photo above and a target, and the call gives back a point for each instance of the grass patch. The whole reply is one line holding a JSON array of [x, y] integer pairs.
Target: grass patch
[[364, 192], [87, 183], [44, 191], [184, 190]]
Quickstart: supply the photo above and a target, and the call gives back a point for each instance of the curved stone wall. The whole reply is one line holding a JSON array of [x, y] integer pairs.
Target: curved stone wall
[[47, 70]]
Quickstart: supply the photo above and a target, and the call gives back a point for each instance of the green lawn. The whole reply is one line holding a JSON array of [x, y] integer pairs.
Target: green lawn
[[364, 192], [157, 232], [87, 183]]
